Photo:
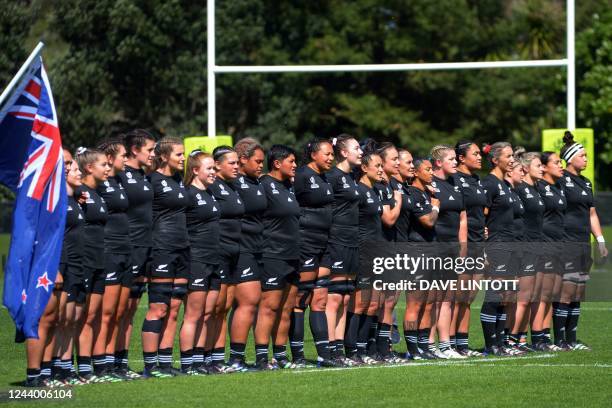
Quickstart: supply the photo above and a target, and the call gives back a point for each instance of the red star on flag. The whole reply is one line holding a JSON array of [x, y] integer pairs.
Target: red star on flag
[[44, 282], [24, 297]]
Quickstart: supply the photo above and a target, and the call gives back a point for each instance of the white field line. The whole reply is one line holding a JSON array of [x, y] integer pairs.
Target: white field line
[[491, 361]]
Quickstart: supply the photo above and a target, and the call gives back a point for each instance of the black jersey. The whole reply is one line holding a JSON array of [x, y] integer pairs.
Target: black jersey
[[170, 201], [253, 197], [345, 222], [500, 219], [534, 211], [402, 225], [140, 213], [554, 211], [475, 201], [72, 248], [385, 195], [281, 220], [315, 197], [117, 229], [96, 214], [232, 210], [370, 209], [451, 205], [518, 211], [579, 195], [202, 217], [420, 206]]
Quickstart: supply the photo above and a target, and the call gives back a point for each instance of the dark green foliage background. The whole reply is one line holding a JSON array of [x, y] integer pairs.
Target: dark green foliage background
[[116, 64]]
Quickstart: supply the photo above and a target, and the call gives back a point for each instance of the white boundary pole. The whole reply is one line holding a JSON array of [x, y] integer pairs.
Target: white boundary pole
[[571, 67], [20, 73], [210, 72]]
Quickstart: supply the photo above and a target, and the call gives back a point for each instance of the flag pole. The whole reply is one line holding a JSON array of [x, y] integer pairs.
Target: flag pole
[[20, 73]]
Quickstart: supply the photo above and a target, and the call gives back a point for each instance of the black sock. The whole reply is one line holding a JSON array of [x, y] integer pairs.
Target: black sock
[[453, 341], [337, 348], [99, 364], [382, 339], [121, 359], [488, 320], [84, 364], [351, 333], [462, 341], [412, 341], [536, 337], [110, 363], [500, 325], [279, 352], [66, 367], [164, 355], [207, 357], [32, 373], [218, 355], [522, 337], [560, 316], [197, 358], [444, 345], [186, 359], [150, 359], [423, 339], [546, 335], [372, 336], [571, 324], [261, 352], [296, 335], [237, 352], [362, 334], [56, 367], [318, 327], [45, 370]]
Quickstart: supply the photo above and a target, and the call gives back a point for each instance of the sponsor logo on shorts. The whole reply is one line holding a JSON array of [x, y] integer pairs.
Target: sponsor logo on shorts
[[309, 262], [111, 276], [198, 282], [501, 267], [548, 265], [272, 281], [337, 265], [529, 267], [569, 265], [246, 272], [162, 268]]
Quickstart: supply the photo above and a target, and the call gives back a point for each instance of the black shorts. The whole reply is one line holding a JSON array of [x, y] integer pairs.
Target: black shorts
[[248, 268], [170, 264], [227, 268], [500, 260], [340, 259], [141, 259], [527, 263], [73, 283], [94, 280], [277, 273], [549, 258], [310, 258], [577, 257], [203, 277], [118, 269]]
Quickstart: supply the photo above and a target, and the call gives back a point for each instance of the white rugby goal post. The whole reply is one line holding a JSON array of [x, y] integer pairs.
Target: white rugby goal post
[[213, 69]]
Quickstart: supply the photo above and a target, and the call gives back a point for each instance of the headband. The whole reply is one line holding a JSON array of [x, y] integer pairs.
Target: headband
[[571, 152]]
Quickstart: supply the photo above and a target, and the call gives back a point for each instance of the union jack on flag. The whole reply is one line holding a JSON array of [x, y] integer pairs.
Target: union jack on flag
[[31, 163]]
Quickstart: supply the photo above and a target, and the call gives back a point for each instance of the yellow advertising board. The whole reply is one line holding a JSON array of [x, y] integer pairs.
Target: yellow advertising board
[[205, 143], [552, 140]]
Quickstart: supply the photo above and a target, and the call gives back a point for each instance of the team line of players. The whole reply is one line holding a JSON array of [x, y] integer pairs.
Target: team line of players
[[226, 238]]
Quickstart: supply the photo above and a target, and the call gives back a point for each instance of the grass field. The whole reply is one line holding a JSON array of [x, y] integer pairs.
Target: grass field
[[541, 379]]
